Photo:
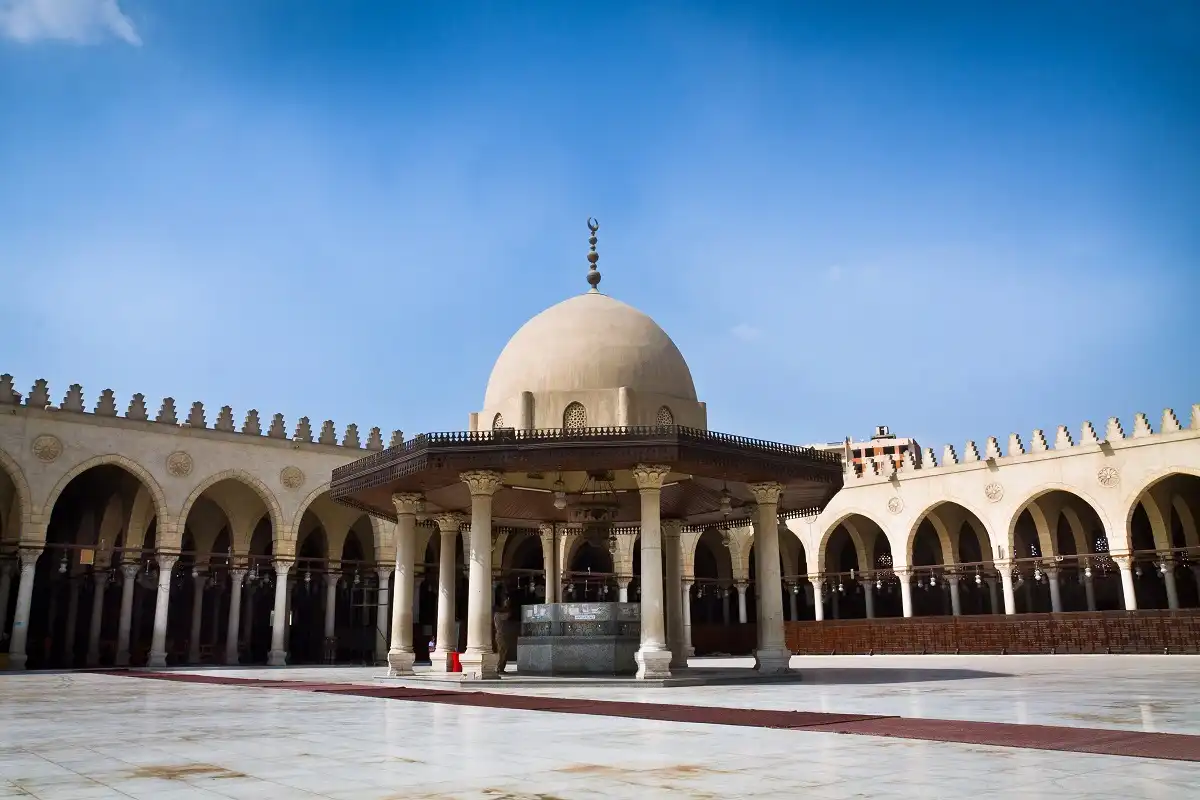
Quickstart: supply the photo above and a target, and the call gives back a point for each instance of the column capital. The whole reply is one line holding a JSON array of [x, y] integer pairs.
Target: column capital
[[671, 528], [236, 574], [766, 493], [623, 581], [741, 585], [408, 504], [166, 563], [29, 556], [546, 530], [482, 482], [130, 571], [1124, 561], [449, 522], [1005, 568], [903, 573], [650, 476], [384, 574], [953, 579], [282, 565], [687, 583]]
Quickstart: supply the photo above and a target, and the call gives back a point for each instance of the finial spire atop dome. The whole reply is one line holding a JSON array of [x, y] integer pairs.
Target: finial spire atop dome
[[593, 277]]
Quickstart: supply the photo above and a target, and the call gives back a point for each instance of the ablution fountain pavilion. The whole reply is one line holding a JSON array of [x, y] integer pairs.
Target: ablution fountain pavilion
[[590, 427]]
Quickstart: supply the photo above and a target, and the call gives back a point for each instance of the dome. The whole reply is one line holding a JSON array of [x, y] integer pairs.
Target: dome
[[587, 343]]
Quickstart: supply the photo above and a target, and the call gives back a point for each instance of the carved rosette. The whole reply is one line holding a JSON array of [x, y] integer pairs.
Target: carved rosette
[[895, 505], [179, 464], [1108, 477], [291, 477], [482, 481], [47, 447], [993, 492], [650, 476], [408, 503]]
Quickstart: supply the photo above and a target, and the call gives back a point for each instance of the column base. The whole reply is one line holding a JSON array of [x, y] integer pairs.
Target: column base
[[400, 663], [232, 660], [772, 662], [157, 659], [16, 663], [478, 665], [652, 664], [439, 660], [122, 659], [679, 659], [277, 658]]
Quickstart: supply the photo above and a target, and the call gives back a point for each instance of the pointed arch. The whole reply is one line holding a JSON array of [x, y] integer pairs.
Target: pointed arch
[[278, 530], [860, 546], [306, 502], [13, 470], [159, 498], [1144, 497], [947, 530], [1045, 489]]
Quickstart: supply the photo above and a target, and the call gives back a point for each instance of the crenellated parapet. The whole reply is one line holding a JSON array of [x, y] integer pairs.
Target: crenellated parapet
[[1039, 446], [196, 419]]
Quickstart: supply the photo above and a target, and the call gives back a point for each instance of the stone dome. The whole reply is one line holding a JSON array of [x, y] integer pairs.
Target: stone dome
[[587, 343]]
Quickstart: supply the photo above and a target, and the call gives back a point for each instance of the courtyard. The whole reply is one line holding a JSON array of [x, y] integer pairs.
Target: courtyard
[[95, 735]]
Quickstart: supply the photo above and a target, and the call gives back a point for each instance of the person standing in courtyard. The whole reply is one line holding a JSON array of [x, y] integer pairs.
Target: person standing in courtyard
[[500, 632]]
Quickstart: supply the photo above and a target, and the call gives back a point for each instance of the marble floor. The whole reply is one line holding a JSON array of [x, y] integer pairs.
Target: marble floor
[[82, 735]]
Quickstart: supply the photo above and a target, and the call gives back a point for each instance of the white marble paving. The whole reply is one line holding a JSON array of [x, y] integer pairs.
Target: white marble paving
[[93, 736]]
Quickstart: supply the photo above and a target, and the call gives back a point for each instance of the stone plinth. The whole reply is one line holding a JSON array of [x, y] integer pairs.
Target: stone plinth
[[579, 639]]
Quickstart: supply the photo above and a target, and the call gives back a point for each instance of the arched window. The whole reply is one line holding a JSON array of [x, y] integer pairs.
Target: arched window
[[497, 422], [665, 417], [575, 417]]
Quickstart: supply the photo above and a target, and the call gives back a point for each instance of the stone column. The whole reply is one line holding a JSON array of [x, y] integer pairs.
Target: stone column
[[1089, 591], [869, 597], [198, 579], [773, 656], [277, 657], [1005, 568], [673, 592], [6, 571], [418, 581], [905, 578], [331, 582], [1168, 575], [20, 630], [129, 581], [72, 618], [382, 640], [793, 601], [479, 661], [955, 600], [623, 582], [289, 597], [162, 606], [400, 652], [994, 596], [688, 650], [1125, 564], [818, 590], [546, 531], [246, 632], [653, 658], [99, 585], [741, 587], [1055, 590], [235, 615], [835, 602], [446, 642]]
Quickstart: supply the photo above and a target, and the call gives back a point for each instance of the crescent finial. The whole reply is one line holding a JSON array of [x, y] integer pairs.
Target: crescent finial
[[593, 225]]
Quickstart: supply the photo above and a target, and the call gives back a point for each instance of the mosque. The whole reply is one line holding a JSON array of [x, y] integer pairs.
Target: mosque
[[131, 535]]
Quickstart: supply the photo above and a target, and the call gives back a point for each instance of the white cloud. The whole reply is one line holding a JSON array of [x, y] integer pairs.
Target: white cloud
[[79, 21], [747, 333]]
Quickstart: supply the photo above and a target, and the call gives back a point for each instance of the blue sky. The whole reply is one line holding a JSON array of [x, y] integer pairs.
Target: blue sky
[[959, 220]]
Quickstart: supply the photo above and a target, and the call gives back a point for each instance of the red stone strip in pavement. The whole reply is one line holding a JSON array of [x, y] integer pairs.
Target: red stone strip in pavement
[[1101, 741]]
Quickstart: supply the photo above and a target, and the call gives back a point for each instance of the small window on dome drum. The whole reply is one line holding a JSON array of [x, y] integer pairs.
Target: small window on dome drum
[[497, 422], [665, 417], [575, 417]]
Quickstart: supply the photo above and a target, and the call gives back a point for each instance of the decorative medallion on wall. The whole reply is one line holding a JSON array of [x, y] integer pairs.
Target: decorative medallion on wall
[[179, 464], [895, 505], [994, 492], [47, 447], [291, 477], [1108, 476]]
